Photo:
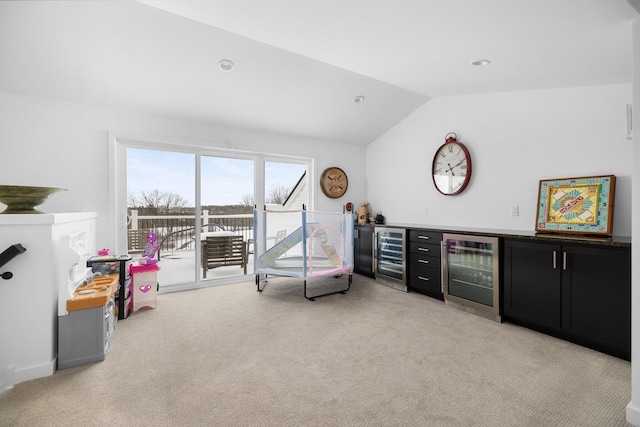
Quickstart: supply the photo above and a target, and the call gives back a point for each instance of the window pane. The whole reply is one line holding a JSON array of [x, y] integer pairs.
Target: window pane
[[285, 185]]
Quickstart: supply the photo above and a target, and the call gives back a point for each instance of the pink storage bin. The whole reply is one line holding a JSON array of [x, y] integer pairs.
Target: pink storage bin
[[144, 279]]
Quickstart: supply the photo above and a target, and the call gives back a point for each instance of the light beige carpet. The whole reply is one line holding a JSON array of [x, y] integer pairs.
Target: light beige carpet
[[229, 356]]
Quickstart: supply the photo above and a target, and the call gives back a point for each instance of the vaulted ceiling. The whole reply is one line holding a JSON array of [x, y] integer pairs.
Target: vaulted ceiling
[[300, 64]]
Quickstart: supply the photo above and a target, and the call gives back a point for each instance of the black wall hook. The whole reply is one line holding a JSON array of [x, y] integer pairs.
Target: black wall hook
[[6, 256]]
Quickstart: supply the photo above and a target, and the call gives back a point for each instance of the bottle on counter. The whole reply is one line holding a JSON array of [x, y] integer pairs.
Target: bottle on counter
[[363, 213]]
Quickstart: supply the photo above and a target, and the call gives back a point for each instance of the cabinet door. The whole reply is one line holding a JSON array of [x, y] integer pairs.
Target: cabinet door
[[596, 295], [532, 290], [363, 250]]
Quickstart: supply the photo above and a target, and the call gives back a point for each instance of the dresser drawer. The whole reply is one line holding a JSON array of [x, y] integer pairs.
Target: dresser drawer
[[425, 280], [424, 248], [420, 260], [425, 236]]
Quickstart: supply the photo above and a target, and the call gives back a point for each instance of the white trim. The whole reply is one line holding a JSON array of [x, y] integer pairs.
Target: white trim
[[633, 414]]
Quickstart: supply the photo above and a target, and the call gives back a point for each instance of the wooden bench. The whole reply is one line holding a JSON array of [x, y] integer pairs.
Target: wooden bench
[[221, 251]]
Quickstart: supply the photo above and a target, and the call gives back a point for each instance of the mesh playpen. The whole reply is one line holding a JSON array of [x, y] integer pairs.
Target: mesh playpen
[[303, 244]]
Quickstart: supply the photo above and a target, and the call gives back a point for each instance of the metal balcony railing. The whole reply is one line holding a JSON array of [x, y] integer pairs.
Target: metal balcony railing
[[177, 232]]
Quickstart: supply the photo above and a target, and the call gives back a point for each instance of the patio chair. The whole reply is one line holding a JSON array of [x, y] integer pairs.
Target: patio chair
[[221, 251], [280, 234]]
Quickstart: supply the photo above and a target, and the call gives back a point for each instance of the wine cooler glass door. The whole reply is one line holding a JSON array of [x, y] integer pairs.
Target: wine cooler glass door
[[472, 272], [389, 262]]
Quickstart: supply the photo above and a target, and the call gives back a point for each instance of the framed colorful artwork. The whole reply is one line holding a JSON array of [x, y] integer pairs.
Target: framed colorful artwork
[[576, 205]]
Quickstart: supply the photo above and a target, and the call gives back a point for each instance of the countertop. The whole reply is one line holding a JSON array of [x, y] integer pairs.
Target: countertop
[[618, 241]]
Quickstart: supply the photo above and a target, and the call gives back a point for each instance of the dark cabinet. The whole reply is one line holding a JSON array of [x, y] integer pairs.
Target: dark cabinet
[[363, 250], [425, 263], [581, 293], [532, 283], [596, 296]]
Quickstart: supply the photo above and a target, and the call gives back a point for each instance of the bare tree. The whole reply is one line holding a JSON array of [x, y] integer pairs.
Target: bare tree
[[248, 200], [278, 194], [156, 199]]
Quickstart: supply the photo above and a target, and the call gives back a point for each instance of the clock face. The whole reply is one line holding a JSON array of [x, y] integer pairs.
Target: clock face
[[334, 182], [451, 168]]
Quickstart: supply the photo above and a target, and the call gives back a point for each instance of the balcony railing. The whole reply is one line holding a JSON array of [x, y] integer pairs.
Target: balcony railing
[[177, 232]]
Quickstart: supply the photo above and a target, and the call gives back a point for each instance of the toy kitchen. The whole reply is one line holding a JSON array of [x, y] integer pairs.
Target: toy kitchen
[[87, 311]]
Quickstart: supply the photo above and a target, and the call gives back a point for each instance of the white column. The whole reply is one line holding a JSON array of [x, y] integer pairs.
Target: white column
[[633, 408]]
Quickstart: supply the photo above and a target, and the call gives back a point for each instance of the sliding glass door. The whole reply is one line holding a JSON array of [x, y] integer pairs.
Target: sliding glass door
[[198, 204], [161, 201], [227, 199]]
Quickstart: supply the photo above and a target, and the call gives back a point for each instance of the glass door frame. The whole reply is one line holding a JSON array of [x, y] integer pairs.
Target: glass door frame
[[118, 219]]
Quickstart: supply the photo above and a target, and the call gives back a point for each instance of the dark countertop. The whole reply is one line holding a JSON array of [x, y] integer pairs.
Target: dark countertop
[[618, 241]]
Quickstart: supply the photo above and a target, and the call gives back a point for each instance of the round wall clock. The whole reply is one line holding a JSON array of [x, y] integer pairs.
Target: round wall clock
[[334, 182], [451, 168]]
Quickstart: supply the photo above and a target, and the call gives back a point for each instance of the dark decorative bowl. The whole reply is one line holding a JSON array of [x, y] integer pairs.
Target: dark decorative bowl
[[23, 199]]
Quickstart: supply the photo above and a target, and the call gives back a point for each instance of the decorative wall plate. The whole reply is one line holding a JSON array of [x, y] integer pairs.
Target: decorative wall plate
[[334, 182]]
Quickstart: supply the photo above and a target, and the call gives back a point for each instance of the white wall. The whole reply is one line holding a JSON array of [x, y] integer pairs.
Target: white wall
[[515, 140], [51, 143], [633, 409]]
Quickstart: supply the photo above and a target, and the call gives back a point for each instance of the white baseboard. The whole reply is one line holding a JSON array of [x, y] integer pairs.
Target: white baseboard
[[633, 414], [8, 379], [28, 373]]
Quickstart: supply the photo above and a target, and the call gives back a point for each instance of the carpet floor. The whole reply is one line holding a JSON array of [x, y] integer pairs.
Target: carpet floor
[[230, 356]]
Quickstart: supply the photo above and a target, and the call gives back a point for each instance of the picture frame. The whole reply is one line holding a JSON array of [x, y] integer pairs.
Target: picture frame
[[582, 205]]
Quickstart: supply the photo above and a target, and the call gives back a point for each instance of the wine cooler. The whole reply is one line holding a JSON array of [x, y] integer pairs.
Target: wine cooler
[[471, 277], [388, 262]]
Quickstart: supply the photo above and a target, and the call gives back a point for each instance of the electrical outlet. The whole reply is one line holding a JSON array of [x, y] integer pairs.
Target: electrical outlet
[[515, 210]]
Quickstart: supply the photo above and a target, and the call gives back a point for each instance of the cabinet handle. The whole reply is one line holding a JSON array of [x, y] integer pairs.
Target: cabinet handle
[[554, 260], [426, 279], [423, 249], [443, 257], [564, 260], [423, 237], [355, 234], [423, 261]]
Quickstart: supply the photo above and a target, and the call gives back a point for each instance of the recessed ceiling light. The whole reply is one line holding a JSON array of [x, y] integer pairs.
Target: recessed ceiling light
[[480, 62], [358, 99], [226, 65]]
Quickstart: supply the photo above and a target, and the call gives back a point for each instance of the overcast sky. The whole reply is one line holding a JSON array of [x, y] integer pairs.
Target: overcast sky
[[224, 180]]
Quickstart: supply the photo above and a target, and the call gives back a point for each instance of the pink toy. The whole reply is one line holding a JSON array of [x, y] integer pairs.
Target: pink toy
[[152, 247]]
